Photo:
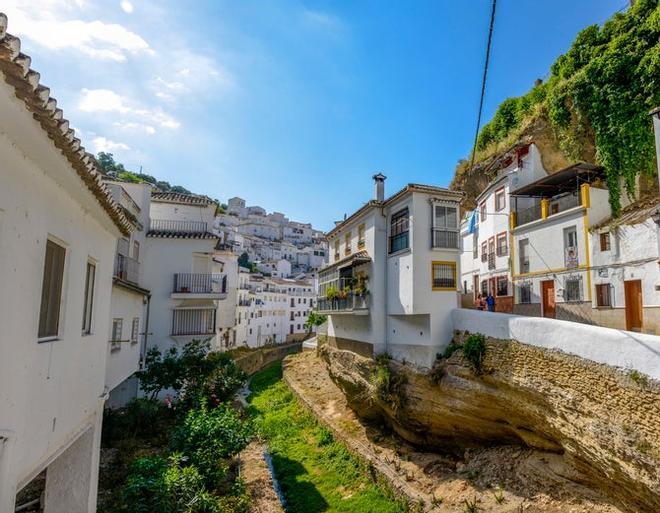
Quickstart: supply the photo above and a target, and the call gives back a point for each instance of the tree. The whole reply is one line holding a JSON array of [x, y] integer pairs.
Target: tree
[[244, 261], [314, 320], [108, 165]]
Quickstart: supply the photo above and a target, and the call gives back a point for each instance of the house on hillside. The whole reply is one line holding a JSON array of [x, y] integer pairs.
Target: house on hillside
[[485, 259], [185, 282], [392, 279], [130, 298], [551, 247], [626, 269], [59, 227]]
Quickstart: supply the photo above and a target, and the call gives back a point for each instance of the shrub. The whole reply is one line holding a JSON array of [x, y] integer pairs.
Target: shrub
[[474, 349], [450, 350], [389, 384], [207, 437], [641, 379], [141, 418], [144, 491]]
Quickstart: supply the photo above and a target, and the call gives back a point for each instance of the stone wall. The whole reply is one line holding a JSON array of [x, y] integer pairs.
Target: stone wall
[[259, 359], [603, 421], [356, 346]]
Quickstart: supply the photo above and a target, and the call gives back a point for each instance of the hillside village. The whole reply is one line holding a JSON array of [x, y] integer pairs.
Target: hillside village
[[515, 310]]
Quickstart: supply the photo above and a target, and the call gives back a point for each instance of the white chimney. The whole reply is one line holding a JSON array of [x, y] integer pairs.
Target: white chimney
[[655, 113], [379, 186]]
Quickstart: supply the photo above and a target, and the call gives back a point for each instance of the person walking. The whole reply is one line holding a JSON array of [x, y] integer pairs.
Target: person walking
[[478, 303], [490, 301]]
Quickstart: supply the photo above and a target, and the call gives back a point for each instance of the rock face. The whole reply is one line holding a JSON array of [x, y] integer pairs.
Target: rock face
[[604, 423]]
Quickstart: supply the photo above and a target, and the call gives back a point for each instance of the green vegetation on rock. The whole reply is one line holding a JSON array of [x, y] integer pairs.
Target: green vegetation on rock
[[600, 93], [316, 473]]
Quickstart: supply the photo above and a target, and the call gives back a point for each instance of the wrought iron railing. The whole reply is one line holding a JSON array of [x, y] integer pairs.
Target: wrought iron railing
[[127, 269], [197, 283], [444, 238], [172, 225], [350, 303], [195, 321], [491, 260]]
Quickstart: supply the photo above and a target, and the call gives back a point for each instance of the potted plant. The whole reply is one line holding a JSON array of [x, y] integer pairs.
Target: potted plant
[[331, 294]]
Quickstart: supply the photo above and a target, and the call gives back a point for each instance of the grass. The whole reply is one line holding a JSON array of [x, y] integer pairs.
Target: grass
[[316, 473], [641, 379]]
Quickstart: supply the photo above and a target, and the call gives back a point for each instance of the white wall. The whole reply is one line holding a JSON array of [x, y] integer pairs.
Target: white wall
[[48, 391], [616, 348]]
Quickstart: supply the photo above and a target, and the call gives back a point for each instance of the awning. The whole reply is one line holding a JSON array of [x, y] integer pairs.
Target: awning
[[561, 181], [359, 258]]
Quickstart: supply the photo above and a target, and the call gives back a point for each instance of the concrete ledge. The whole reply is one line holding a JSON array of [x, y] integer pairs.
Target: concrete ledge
[[617, 348]]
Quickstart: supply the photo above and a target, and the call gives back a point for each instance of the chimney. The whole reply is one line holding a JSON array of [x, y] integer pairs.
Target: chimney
[[655, 113], [379, 186]]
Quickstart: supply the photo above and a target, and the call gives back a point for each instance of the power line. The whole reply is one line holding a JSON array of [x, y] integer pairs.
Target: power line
[[483, 82]]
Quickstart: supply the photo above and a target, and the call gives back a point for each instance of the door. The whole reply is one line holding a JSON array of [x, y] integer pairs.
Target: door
[[492, 287], [548, 295], [475, 286], [633, 297]]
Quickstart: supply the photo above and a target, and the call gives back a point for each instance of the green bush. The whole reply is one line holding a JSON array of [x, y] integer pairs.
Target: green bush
[[144, 491], [474, 350], [141, 418], [208, 437]]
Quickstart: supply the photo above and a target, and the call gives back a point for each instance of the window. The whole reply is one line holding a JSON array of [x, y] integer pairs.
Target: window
[[484, 251], [445, 227], [523, 255], [502, 286], [347, 243], [570, 247], [399, 231], [484, 287], [117, 328], [502, 248], [475, 246], [603, 296], [605, 244], [572, 289], [491, 253], [336, 249], [500, 199], [135, 330], [443, 275], [89, 298], [361, 241], [570, 237], [525, 293], [51, 290], [482, 212], [136, 250]]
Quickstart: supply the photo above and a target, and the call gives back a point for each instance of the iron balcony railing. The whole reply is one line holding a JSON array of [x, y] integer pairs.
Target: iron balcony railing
[[195, 321], [171, 225], [197, 283], [127, 269], [444, 238], [350, 303], [528, 215]]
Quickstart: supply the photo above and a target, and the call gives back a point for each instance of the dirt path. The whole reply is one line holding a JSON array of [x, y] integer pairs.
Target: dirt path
[[258, 480], [503, 479]]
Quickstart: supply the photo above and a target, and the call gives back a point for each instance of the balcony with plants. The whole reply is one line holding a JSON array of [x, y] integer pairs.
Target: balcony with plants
[[345, 295], [199, 286]]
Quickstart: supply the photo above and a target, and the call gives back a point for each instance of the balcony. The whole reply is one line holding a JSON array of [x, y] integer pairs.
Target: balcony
[[127, 269], [177, 226], [444, 239], [351, 304], [491, 260], [528, 215], [194, 321], [199, 286]]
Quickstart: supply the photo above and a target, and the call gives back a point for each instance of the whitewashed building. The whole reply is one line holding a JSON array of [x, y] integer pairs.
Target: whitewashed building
[[186, 283], [58, 231], [392, 279], [130, 298], [551, 250], [485, 260]]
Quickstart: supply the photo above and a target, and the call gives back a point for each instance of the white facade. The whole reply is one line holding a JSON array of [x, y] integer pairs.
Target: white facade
[[395, 267], [186, 283], [51, 387], [485, 259]]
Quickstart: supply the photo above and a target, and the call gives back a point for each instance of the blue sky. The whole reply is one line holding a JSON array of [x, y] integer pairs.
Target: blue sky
[[291, 105]]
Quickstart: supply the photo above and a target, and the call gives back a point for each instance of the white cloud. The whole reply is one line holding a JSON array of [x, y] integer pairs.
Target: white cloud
[[322, 20], [105, 100], [126, 6], [44, 23], [103, 144], [130, 126]]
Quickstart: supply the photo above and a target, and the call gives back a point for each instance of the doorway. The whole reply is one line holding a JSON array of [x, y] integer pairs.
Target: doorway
[[633, 297], [475, 286], [548, 295]]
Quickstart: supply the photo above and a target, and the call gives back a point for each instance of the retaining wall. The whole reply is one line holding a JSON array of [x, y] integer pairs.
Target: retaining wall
[[259, 359], [617, 348]]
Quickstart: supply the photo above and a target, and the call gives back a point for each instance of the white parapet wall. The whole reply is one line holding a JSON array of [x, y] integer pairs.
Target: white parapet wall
[[617, 348]]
